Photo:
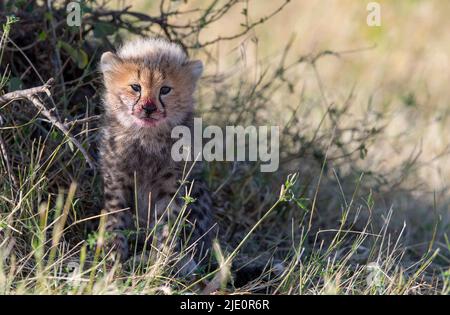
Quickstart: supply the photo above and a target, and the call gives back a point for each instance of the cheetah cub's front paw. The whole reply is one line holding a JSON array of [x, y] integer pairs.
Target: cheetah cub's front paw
[[116, 248]]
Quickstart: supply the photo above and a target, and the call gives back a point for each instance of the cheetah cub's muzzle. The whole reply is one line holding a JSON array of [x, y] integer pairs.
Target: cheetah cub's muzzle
[[148, 114]]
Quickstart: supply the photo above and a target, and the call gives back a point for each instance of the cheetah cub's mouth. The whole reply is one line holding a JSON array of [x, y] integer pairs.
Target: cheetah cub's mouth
[[148, 114], [149, 121]]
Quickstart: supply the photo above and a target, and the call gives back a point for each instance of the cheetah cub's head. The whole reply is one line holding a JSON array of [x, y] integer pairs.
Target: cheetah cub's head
[[149, 84]]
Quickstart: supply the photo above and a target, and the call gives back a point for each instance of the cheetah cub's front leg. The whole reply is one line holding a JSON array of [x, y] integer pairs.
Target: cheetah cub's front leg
[[119, 216]]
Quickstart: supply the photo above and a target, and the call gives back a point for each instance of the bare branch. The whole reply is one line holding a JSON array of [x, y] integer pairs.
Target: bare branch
[[25, 94], [71, 123], [31, 95], [50, 116]]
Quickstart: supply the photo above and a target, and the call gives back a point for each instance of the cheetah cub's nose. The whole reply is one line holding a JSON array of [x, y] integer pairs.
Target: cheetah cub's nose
[[149, 108]]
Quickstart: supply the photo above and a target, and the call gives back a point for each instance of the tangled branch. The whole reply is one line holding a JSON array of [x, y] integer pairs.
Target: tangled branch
[[31, 95]]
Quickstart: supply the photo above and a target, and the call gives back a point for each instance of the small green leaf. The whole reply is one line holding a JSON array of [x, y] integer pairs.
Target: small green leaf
[[71, 147], [20, 4], [103, 29], [48, 16], [188, 199], [54, 135], [82, 59], [14, 84], [85, 8], [362, 151], [370, 201], [409, 100], [77, 55], [300, 203], [42, 36]]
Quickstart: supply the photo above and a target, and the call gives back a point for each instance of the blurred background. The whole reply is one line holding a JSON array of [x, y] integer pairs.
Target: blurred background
[[401, 68]]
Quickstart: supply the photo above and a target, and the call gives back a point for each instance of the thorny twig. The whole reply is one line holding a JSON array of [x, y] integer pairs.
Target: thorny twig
[[71, 123], [31, 95], [25, 94]]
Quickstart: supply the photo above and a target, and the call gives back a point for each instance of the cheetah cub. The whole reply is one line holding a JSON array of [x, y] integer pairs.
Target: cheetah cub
[[149, 86]]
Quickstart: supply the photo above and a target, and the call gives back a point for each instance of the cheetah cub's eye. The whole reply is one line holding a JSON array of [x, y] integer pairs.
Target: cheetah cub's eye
[[165, 90], [136, 87]]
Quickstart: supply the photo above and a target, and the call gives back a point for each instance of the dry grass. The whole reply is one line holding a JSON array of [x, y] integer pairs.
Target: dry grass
[[365, 131]]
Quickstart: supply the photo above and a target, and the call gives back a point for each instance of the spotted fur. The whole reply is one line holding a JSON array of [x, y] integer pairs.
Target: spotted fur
[[141, 179]]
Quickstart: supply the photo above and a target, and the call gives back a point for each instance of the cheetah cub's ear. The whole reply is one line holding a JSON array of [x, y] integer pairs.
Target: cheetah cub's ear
[[108, 62], [195, 68]]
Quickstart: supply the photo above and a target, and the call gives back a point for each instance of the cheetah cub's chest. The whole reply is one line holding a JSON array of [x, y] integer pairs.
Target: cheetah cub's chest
[[154, 196]]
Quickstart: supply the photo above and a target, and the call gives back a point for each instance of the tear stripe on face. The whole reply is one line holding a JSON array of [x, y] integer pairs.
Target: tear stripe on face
[[162, 103], [137, 101]]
